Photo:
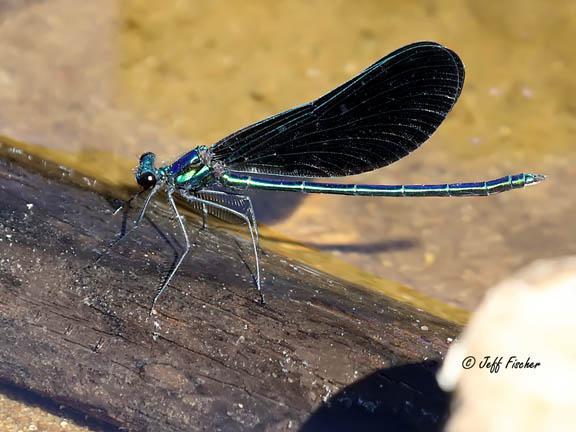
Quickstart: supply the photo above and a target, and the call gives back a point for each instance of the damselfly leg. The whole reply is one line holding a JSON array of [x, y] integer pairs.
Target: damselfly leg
[[230, 198], [204, 216], [181, 258], [137, 222], [249, 221]]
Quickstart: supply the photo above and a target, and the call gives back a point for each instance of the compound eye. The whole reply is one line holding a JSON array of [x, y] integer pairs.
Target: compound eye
[[146, 180]]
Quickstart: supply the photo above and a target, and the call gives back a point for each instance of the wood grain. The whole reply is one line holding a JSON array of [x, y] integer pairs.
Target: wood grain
[[320, 355]]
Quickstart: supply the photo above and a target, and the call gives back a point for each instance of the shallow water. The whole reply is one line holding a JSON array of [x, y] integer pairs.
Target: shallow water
[[105, 81]]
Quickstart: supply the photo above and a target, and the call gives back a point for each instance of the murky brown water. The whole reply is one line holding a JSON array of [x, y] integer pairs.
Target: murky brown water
[[105, 81]]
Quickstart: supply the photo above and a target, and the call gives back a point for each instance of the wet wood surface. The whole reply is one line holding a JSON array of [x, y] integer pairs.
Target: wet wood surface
[[320, 355]]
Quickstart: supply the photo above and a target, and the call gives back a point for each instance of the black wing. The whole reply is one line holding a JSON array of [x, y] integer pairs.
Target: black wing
[[374, 119]]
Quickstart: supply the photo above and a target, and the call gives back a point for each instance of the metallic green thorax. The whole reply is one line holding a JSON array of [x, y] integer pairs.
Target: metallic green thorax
[[190, 171], [193, 175]]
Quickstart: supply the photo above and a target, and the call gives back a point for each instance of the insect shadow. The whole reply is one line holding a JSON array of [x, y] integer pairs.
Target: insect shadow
[[274, 207]]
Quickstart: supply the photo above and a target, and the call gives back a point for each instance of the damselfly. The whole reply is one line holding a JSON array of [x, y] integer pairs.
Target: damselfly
[[376, 118]]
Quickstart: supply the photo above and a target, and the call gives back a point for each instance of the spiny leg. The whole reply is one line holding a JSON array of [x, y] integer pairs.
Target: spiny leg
[[243, 198], [136, 225], [204, 216], [242, 216], [148, 198], [179, 262], [253, 216]]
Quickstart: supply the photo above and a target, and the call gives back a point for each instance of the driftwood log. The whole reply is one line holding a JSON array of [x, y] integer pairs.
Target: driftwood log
[[320, 355]]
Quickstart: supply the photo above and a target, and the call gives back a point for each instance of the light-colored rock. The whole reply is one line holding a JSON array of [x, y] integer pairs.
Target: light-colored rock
[[530, 317]]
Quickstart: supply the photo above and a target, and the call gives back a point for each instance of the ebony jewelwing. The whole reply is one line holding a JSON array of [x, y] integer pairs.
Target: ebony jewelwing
[[371, 121]]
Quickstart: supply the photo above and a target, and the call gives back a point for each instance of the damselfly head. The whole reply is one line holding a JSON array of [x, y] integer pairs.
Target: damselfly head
[[147, 174]]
